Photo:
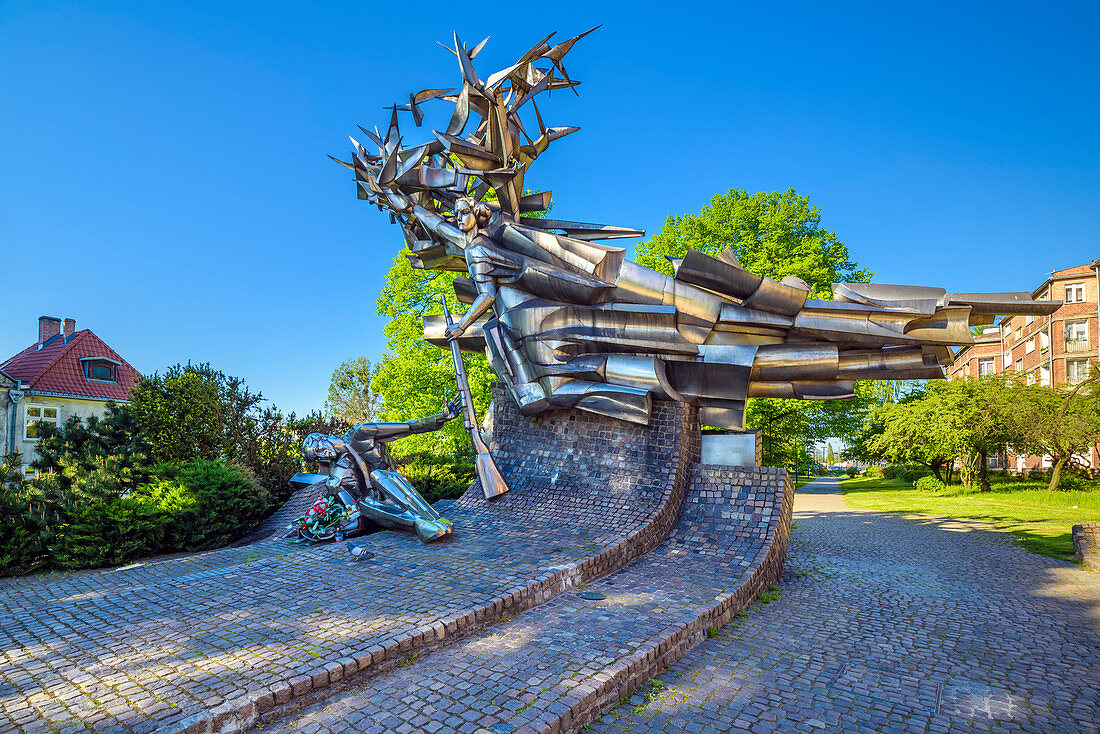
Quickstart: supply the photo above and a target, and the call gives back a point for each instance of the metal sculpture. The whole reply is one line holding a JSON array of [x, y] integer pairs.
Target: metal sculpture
[[492, 482], [569, 322], [360, 477]]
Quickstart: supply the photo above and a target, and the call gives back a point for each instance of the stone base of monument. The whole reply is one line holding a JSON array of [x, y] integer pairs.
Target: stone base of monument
[[626, 509]]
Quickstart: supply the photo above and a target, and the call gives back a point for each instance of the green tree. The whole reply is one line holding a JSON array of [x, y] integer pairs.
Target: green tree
[[906, 433], [180, 412], [962, 419], [1059, 421], [773, 233], [350, 397]]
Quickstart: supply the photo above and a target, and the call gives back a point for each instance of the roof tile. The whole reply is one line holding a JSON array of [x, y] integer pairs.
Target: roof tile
[[56, 368]]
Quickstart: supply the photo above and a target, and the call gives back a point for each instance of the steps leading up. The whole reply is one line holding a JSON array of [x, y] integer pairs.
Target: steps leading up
[[558, 666], [211, 641]]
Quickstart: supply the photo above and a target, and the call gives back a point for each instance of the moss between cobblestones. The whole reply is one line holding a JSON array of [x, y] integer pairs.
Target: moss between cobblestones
[[1042, 520]]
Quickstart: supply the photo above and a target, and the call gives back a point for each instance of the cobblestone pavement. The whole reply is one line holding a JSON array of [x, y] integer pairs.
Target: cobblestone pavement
[[525, 675], [150, 645], [135, 648], [893, 624]]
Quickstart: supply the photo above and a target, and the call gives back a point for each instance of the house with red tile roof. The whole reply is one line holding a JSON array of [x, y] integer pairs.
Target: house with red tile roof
[[65, 373]]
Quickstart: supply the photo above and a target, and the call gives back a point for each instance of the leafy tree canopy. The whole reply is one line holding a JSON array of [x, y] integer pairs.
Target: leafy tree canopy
[[350, 397], [773, 233]]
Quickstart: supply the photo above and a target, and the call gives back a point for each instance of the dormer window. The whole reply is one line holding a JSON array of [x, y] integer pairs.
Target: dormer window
[[100, 369]]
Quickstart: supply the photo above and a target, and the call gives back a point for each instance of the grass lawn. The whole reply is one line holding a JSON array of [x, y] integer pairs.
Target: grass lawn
[[1042, 520]]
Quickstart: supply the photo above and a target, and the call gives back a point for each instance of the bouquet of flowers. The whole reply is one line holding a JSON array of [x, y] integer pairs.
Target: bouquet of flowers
[[325, 515]]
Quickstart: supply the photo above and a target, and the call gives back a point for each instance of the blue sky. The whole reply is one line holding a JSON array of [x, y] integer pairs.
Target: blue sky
[[165, 180]]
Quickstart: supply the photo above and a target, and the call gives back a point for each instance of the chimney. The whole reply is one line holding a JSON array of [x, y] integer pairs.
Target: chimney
[[48, 327], [69, 328]]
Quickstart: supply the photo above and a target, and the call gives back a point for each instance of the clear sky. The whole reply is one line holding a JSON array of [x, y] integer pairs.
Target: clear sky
[[164, 178]]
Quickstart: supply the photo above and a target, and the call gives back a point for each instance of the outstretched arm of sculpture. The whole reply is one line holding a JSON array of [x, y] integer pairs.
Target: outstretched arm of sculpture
[[485, 299], [388, 431]]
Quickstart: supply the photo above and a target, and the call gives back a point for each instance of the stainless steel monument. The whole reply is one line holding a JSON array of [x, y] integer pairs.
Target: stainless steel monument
[[568, 322]]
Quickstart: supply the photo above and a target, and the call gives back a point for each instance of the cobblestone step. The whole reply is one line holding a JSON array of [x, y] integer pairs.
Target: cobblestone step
[[138, 650], [556, 667], [892, 625]]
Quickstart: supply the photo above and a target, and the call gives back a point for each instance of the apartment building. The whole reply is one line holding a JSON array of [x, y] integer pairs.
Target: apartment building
[[984, 357], [1051, 350]]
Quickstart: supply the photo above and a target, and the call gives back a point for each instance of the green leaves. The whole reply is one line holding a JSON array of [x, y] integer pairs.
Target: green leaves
[[414, 378], [350, 397], [773, 233]]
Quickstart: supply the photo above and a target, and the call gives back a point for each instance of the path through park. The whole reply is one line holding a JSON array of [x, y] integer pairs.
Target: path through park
[[893, 624]]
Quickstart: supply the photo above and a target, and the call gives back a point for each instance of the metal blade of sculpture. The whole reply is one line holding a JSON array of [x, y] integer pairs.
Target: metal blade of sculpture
[[568, 322], [492, 482]]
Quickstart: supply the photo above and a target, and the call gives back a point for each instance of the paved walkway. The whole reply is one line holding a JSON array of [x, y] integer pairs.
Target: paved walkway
[[153, 645], [893, 624], [553, 663]]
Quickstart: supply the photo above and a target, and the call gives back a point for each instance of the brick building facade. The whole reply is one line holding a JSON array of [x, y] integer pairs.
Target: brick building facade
[[1051, 350]]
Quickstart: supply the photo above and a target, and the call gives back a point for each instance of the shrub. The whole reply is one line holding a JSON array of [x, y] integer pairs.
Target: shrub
[[851, 472], [438, 478], [23, 534], [209, 503], [184, 506], [929, 484], [910, 476], [874, 472], [892, 472], [1071, 483]]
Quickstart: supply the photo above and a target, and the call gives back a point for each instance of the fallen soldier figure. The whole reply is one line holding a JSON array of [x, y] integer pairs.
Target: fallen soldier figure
[[363, 487]]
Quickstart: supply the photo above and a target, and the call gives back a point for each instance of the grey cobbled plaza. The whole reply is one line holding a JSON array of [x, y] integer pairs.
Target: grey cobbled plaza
[[884, 624], [893, 624]]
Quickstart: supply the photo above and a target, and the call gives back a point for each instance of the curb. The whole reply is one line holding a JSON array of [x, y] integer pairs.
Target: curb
[[664, 649], [274, 701]]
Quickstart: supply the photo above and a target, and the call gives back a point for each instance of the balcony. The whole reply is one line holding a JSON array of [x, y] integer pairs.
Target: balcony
[[1077, 346]]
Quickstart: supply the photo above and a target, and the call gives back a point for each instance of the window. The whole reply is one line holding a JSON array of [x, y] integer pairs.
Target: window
[[986, 367], [1044, 376], [1077, 370], [1077, 331], [36, 416], [1019, 332], [1044, 341], [1075, 293], [1029, 347], [1030, 320], [29, 472], [1031, 378], [1020, 364], [100, 369]]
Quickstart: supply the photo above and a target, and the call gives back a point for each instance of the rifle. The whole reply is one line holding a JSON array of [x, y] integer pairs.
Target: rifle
[[492, 482]]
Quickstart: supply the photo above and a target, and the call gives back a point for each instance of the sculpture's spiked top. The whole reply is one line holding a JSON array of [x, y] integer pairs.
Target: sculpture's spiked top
[[495, 153]]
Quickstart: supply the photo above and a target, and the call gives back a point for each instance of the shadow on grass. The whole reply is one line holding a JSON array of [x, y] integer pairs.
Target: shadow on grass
[[1041, 520]]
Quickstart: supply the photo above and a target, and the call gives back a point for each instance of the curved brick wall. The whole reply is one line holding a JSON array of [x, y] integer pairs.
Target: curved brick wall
[[578, 470]]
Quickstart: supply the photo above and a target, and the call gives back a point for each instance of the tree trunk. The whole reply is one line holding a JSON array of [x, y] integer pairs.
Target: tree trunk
[[935, 466], [1056, 471], [966, 472], [983, 471], [950, 471]]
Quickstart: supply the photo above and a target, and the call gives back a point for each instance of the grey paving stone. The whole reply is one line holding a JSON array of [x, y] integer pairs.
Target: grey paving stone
[[897, 624]]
